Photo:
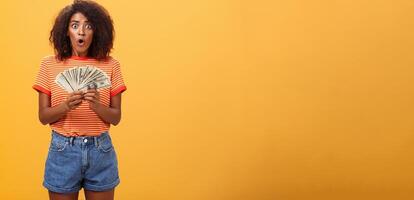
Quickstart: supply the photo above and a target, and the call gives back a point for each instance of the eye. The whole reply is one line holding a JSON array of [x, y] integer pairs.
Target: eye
[[88, 26], [74, 26]]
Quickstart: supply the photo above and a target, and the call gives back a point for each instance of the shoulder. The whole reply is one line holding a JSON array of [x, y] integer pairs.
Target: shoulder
[[112, 61], [49, 59]]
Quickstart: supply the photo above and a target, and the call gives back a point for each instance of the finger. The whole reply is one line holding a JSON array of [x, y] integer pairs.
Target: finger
[[73, 103], [74, 107], [91, 99], [75, 97], [77, 92], [89, 94], [96, 95], [91, 90], [78, 96]]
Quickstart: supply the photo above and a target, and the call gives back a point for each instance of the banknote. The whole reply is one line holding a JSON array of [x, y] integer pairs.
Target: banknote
[[81, 78]]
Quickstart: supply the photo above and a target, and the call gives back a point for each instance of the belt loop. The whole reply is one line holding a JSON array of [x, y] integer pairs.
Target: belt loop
[[96, 141], [71, 141]]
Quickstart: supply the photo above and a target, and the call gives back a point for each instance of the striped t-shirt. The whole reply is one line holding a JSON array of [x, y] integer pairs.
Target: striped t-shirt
[[81, 120]]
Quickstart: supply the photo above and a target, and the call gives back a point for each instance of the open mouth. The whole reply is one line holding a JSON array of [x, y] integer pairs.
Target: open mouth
[[81, 41]]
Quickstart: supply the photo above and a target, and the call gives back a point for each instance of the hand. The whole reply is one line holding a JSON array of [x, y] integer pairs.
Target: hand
[[92, 96], [73, 100]]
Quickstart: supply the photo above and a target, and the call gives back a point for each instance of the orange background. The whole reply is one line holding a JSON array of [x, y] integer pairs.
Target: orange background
[[233, 100]]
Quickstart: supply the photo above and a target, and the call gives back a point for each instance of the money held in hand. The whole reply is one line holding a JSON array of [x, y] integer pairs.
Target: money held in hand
[[81, 78]]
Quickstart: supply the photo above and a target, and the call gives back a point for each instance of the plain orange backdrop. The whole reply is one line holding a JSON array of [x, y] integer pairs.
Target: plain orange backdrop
[[233, 99]]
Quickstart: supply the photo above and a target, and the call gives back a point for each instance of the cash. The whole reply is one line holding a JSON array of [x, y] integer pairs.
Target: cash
[[81, 78]]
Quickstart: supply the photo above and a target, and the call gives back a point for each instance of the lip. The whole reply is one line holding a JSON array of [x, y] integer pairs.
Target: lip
[[80, 42]]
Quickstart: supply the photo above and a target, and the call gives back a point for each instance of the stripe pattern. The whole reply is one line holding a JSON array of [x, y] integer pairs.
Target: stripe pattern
[[81, 120]]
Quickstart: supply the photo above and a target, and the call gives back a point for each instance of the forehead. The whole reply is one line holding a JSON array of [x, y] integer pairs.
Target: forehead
[[78, 17]]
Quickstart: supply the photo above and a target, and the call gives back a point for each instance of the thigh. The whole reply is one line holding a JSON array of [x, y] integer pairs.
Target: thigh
[[63, 168], [61, 196], [102, 173], [103, 195]]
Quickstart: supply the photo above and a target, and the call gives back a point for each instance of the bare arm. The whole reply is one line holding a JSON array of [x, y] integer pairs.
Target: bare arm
[[111, 114], [48, 114]]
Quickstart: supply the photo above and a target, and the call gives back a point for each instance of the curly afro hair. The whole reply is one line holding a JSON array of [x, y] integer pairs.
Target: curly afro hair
[[102, 26]]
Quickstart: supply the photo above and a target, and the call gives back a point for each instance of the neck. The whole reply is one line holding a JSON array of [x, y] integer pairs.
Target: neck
[[79, 54]]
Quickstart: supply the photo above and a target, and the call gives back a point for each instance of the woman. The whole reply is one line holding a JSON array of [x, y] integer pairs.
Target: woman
[[81, 154]]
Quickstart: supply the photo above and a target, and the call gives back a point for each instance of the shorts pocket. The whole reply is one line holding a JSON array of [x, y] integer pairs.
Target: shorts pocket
[[105, 144], [58, 145]]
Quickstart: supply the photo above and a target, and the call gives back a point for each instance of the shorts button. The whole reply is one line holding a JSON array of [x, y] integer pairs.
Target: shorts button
[[85, 140]]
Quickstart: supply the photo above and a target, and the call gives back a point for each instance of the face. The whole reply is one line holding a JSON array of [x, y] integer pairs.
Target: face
[[80, 33]]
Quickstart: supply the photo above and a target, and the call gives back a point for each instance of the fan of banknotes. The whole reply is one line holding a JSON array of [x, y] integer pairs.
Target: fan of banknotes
[[81, 78]]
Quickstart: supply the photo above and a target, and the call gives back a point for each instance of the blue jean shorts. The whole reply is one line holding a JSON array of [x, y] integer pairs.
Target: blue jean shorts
[[81, 162]]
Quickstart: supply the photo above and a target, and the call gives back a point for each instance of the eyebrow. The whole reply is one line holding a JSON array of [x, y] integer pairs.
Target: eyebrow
[[76, 21]]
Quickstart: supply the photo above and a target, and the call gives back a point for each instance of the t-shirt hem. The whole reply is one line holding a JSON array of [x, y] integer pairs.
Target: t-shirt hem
[[118, 90], [41, 89], [79, 133]]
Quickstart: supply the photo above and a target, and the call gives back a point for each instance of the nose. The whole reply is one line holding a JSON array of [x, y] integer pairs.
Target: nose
[[81, 31]]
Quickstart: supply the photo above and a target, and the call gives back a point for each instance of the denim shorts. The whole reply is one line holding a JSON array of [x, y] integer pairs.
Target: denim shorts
[[81, 162]]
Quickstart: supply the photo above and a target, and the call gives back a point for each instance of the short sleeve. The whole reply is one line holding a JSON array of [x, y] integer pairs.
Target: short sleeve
[[117, 81], [42, 83]]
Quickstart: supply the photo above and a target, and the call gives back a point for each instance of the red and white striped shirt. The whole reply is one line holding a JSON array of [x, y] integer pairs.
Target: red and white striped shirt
[[81, 120]]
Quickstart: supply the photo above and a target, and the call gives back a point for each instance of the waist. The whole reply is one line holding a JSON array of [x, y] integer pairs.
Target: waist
[[83, 128], [81, 139]]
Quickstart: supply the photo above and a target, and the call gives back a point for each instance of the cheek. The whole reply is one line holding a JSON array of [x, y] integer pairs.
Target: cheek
[[71, 32], [90, 37], [71, 36], [72, 40]]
